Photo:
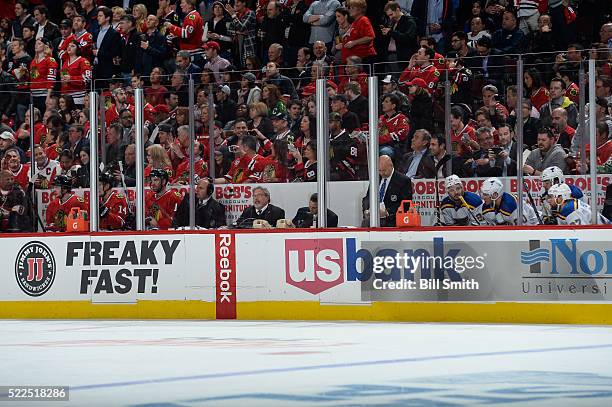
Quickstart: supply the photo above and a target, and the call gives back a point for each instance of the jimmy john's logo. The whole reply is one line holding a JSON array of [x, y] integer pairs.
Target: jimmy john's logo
[[35, 269]]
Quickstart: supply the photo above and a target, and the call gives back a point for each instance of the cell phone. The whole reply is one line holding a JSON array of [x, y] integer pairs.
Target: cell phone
[[233, 148], [496, 150]]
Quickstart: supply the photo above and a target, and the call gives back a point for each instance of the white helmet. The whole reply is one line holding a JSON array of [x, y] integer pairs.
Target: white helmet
[[492, 186], [552, 173], [560, 190], [451, 181]]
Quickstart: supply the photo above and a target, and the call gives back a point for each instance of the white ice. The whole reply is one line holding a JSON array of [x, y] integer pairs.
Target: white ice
[[240, 363]]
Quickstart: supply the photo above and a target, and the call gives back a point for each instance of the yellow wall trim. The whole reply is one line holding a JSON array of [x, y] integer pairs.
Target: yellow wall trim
[[506, 312]]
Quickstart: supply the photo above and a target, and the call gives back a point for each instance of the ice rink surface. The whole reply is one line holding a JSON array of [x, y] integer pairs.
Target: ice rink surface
[[241, 363]]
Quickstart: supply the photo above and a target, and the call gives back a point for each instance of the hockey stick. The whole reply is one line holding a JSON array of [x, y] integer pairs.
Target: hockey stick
[[463, 203], [438, 166], [532, 202]]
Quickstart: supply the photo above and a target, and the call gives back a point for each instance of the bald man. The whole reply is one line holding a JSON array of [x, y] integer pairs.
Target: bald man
[[394, 187]]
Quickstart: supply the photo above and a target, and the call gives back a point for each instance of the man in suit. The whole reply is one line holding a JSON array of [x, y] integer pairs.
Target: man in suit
[[437, 158], [304, 218], [209, 213], [416, 164], [394, 187], [261, 209], [506, 157], [107, 48]]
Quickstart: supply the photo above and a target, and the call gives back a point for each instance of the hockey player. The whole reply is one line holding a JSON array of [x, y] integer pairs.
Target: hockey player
[[554, 176], [161, 202], [501, 208], [191, 32], [113, 205], [568, 210], [460, 207], [60, 207]]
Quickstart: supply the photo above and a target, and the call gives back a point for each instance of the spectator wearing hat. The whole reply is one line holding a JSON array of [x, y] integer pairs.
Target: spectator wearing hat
[[280, 122], [249, 92], [389, 85], [215, 62], [61, 43], [152, 49], [420, 105], [226, 107], [350, 120], [8, 141], [44, 27]]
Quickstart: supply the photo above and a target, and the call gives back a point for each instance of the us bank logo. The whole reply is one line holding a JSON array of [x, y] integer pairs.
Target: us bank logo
[[567, 257]]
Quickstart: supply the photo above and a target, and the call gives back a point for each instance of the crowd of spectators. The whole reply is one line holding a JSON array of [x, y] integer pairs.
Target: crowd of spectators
[[260, 60]]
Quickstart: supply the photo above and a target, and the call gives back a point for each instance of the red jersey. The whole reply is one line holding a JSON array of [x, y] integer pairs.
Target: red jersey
[[22, 175], [75, 76], [271, 170], [43, 74], [428, 73], [63, 46], [162, 207], [359, 29], [244, 168], [459, 147], [53, 151], [86, 42], [112, 114], [117, 206], [58, 209], [190, 33], [439, 62], [392, 129], [539, 97], [156, 96], [573, 93], [182, 171]]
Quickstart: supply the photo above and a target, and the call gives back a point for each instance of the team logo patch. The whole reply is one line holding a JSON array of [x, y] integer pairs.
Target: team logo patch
[[35, 269]]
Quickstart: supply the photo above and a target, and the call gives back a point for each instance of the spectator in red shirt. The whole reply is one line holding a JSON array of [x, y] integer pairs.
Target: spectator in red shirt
[[359, 39]]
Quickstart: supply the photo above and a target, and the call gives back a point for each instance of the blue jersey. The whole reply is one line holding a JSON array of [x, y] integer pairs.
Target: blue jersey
[[454, 213], [507, 211]]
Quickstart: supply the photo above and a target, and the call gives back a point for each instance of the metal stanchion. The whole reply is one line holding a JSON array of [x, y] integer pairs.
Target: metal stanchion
[[93, 162], [373, 150], [192, 199], [322, 150], [582, 118], [102, 122], [448, 167], [211, 134], [519, 137], [32, 160], [593, 141], [139, 122]]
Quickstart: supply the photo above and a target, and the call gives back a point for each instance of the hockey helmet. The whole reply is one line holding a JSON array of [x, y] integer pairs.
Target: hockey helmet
[[159, 173], [560, 190], [107, 178], [451, 181], [552, 173], [63, 181], [492, 186]]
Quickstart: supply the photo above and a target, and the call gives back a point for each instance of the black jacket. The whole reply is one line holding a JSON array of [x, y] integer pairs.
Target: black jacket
[[130, 51], [50, 32], [304, 219], [110, 48], [398, 190], [8, 86], [405, 36], [209, 216], [272, 214], [359, 106], [425, 169]]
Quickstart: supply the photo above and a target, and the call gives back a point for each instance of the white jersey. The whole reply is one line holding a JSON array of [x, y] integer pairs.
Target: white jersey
[[574, 212], [506, 213], [49, 171], [455, 213]]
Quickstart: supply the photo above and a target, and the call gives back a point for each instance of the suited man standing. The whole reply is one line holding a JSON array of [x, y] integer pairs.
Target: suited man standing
[[107, 48], [209, 213], [394, 187], [416, 163], [305, 217], [261, 209]]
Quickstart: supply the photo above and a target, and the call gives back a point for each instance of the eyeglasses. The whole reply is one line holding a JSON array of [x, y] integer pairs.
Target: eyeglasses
[[126, 117]]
